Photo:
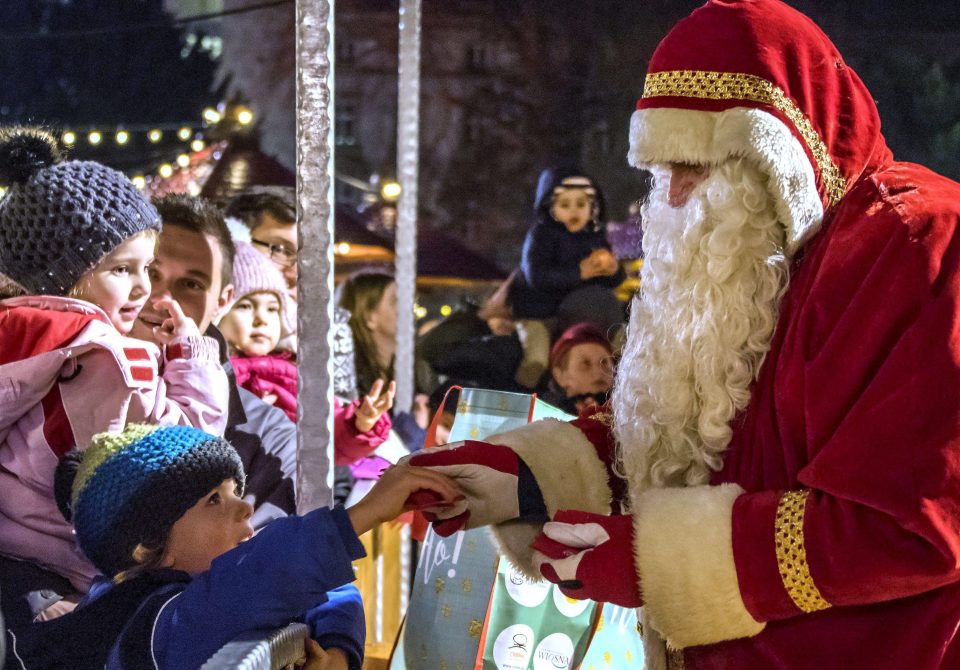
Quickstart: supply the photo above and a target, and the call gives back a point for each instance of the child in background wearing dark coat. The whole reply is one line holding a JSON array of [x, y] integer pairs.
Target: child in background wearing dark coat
[[162, 510], [253, 326], [567, 272]]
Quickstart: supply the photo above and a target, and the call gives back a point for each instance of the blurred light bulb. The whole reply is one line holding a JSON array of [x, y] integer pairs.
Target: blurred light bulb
[[95, 137], [391, 190], [139, 181], [184, 133], [197, 145], [69, 138], [122, 137], [165, 170], [183, 160], [155, 135]]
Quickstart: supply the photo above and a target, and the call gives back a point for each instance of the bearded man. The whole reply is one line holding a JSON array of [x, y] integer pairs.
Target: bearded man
[[779, 481]]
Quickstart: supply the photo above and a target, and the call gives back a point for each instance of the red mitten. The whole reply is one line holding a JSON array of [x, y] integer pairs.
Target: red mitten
[[590, 556], [497, 484]]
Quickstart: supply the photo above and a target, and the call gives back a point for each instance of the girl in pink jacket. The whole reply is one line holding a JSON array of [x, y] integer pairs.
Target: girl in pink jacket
[[254, 324], [77, 238]]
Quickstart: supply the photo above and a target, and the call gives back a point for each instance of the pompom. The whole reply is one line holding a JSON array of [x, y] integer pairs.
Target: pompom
[[63, 478], [24, 151], [239, 231]]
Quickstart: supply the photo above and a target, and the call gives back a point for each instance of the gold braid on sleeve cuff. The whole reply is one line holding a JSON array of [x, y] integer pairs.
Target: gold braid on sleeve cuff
[[792, 553]]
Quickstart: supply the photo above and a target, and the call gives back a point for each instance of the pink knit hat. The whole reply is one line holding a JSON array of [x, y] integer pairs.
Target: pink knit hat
[[255, 273]]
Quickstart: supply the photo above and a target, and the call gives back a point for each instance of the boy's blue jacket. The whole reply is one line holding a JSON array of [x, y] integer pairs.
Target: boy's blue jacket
[[295, 569]]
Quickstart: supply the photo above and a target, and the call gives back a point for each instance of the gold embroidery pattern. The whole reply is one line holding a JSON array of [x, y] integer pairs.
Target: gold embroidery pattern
[[740, 86], [606, 418], [792, 555]]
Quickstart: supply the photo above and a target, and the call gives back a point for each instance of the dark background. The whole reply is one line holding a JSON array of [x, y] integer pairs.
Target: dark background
[[566, 95]]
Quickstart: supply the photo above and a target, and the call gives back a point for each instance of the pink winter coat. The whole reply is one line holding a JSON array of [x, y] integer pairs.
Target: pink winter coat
[[275, 376], [65, 375]]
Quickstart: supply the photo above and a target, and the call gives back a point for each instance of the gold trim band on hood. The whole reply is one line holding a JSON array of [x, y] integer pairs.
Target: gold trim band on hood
[[792, 553], [740, 86]]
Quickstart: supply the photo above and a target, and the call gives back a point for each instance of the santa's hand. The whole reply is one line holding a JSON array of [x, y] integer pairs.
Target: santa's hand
[[590, 556], [497, 484]]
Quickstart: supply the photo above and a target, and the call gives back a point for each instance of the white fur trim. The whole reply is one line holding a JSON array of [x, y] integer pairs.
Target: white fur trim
[[570, 476], [670, 135], [684, 553]]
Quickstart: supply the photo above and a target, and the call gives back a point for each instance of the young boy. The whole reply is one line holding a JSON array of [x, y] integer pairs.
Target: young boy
[[161, 509]]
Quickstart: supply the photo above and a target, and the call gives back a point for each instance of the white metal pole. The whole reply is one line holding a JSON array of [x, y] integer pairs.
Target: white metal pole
[[408, 147], [315, 221]]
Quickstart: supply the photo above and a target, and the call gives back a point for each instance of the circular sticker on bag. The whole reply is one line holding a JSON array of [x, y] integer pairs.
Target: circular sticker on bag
[[555, 652], [568, 606], [523, 590], [511, 649]]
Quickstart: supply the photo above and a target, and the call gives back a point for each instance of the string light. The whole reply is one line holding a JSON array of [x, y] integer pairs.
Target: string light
[[197, 145], [69, 138], [122, 137], [139, 182], [155, 135], [165, 170], [211, 116], [343, 248], [244, 117], [446, 310], [95, 137], [184, 133]]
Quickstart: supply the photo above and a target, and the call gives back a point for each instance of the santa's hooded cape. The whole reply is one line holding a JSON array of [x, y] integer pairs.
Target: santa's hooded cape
[[830, 538]]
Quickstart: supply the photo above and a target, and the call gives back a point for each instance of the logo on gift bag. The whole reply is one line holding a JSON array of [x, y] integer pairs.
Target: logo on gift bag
[[525, 591], [511, 650], [554, 653]]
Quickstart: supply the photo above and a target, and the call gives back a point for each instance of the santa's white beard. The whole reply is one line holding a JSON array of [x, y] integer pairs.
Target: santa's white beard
[[713, 276]]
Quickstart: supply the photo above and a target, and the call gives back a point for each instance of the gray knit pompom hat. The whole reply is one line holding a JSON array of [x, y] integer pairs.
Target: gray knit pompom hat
[[60, 218]]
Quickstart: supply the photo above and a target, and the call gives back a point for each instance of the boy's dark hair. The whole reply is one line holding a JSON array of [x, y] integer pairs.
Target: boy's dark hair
[[199, 215], [280, 202]]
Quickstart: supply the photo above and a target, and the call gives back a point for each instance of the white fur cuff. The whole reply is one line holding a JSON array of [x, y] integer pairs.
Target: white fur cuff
[[570, 476], [564, 463], [684, 553]]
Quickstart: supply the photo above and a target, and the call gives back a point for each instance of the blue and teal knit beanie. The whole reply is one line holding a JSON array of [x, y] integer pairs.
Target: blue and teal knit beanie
[[59, 218], [129, 488]]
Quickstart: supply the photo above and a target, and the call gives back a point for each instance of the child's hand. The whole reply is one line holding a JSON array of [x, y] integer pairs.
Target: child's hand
[[319, 658], [374, 405], [177, 324], [588, 268], [606, 262], [387, 497]]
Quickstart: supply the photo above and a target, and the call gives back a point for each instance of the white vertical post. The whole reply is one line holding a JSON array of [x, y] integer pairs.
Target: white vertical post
[[408, 163], [315, 223]]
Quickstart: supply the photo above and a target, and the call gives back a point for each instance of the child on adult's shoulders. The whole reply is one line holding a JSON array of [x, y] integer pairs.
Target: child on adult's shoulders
[[567, 270]]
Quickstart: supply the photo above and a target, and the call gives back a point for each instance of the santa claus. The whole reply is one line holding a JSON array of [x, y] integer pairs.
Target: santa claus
[[777, 479]]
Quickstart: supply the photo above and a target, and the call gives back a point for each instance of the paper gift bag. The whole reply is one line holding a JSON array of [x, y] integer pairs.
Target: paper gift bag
[[616, 642], [532, 624], [455, 575]]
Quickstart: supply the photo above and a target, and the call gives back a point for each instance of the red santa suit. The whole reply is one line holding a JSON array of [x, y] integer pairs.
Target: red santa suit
[[830, 535]]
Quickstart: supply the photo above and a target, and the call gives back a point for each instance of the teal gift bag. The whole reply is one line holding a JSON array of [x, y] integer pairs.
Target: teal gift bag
[[455, 575], [616, 642]]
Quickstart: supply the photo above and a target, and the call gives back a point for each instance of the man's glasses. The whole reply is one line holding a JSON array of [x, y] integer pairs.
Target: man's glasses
[[280, 254]]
